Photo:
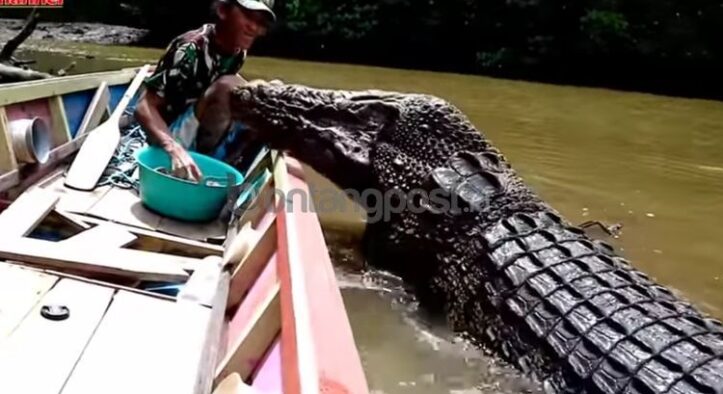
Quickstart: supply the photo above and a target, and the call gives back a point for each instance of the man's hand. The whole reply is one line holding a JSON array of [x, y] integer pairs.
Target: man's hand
[[148, 115], [182, 164]]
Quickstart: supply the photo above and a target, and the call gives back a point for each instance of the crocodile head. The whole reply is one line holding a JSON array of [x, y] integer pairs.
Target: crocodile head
[[393, 148], [332, 131]]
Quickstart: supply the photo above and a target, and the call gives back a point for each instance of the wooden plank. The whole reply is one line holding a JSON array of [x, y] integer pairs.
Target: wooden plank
[[9, 180], [263, 160], [46, 179], [118, 262], [20, 290], [21, 217], [124, 206], [251, 267], [75, 201], [110, 285], [240, 246], [8, 161], [255, 339], [300, 369], [69, 220], [106, 235], [261, 204], [39, 356], [59, 129], [153, 345], [96, 109], [154, 241], [31, 90], [211, 349], [202, 285], [269, 376], [256, 296], [313, 353]]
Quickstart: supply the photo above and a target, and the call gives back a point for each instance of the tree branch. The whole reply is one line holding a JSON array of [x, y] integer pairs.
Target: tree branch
[[15, 74], [13, 44]]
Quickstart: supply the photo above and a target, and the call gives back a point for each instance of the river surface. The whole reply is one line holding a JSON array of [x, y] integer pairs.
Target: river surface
[[650, 163]]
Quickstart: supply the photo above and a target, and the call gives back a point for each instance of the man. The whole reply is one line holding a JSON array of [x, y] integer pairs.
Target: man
[[185, 105]]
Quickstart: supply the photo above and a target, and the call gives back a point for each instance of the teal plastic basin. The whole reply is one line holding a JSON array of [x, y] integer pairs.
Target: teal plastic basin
[[179, 198]]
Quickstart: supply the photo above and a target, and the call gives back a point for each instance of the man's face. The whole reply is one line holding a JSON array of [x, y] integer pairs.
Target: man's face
[[245, 25]]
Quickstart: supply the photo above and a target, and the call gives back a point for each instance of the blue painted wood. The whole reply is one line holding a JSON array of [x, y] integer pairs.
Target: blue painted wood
[[76, 104], [116, 93]]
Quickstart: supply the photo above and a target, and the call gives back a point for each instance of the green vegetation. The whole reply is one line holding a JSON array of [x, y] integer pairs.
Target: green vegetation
[[659, 45]]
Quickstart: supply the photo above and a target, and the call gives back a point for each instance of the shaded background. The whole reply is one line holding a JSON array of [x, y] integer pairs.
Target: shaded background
[[661, 46]]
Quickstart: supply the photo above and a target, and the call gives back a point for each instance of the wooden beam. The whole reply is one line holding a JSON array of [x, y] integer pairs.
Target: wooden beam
[[248, 349], [311, 352], [21, 217], [106, 235], [251, 267], [233, 384], [111, 285], [211, 290], [49, 348], [154, 241], [117, 262], [20, 290], [241, 245], [202, 285], [262, 203], [9, 180], [51, 176], [8, 162], [25, 91], [71, 222], [59, 129], [262, 161], [96, 109]]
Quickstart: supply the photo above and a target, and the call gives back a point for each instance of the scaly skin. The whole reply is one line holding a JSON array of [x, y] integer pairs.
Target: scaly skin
[[503, 267]]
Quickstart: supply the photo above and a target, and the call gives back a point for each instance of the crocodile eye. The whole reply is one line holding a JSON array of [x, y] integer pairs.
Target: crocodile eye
[[245, 94]]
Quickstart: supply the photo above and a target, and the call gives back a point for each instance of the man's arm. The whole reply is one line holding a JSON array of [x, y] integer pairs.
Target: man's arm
[[149, 117]]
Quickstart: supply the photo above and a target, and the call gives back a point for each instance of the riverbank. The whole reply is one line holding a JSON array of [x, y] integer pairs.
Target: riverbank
[[668, 78], [95, 33]]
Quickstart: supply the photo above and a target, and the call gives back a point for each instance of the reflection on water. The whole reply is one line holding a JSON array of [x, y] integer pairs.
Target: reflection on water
[[653, 164]]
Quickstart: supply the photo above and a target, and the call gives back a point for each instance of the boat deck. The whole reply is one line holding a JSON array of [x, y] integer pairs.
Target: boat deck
[[100, 294]]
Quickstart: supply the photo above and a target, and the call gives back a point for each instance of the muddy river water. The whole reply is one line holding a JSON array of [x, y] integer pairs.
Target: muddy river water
[[652, 164]]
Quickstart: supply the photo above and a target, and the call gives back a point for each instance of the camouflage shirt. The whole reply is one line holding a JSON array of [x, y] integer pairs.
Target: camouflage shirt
[[188, 67]]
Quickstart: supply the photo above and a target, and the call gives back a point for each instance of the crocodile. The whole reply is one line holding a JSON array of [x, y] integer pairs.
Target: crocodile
[[479, 246]]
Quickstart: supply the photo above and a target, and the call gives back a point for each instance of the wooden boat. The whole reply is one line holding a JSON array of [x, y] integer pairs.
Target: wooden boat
[[99, 294]]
